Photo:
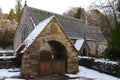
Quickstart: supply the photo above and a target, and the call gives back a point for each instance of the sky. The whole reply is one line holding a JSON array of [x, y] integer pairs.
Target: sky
[[56, 6]]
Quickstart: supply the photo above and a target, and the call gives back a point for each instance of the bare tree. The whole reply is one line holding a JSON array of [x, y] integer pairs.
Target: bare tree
[[109, 9], [71, 12]]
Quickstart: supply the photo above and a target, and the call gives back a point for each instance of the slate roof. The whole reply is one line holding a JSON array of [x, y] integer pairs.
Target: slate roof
[[74, 28]]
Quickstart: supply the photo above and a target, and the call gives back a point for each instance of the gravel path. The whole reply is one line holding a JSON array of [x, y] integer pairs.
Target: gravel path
[[58, 77]]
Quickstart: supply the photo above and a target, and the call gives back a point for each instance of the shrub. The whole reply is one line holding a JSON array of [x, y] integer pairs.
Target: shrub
[[86, 62], [6, 39], [111, 53]]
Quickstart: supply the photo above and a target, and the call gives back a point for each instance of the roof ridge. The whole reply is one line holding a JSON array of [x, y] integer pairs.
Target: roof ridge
[[68, 17]]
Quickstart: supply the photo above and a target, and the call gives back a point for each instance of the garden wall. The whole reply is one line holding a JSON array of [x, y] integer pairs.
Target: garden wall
[[108, 67]]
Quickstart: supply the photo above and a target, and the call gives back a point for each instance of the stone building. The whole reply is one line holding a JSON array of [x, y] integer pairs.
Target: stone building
[[48, 45], [44, 39]]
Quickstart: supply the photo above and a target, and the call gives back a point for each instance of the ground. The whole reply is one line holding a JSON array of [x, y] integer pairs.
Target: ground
[[83, 74]]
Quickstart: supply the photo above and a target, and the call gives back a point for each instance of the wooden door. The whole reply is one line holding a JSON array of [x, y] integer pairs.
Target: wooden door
[[59, 67], [45, 68], [54, 61], [52, 67]]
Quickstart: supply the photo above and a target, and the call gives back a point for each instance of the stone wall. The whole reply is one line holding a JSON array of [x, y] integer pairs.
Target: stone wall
[[92, 46], [101, 48], [85, 50], [104, 67], [30, 59]]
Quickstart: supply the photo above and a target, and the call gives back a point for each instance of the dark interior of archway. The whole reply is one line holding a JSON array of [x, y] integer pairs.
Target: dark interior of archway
[[58, 50]]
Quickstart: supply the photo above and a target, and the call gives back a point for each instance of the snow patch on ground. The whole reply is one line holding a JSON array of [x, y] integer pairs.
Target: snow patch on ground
[[92, 74], [4, 73], [83, 74]]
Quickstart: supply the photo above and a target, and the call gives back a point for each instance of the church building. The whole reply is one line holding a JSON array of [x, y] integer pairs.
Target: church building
[[49, 43]]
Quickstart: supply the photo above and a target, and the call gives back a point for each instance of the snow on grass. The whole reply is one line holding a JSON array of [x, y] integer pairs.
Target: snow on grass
[[98, 60], [6, 73], [92, 74]]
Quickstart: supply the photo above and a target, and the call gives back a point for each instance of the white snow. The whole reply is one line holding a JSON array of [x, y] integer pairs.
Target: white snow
[[14, 70], [105, 61], [92, 74], [83, 72], [32, 21], [98, 60], [6, 73], [78, 44], [6, 51], [7, 57]]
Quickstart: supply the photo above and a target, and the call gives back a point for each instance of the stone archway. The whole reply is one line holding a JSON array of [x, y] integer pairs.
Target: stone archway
[[58, 50], [54, 61]]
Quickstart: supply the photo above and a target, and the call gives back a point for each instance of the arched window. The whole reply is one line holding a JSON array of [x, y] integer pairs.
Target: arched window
[[25, 32]]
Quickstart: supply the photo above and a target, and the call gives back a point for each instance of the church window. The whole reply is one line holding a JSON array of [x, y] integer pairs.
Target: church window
[[24, 32]]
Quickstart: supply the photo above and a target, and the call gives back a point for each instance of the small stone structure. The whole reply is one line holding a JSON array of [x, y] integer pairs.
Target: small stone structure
[[48, 50]]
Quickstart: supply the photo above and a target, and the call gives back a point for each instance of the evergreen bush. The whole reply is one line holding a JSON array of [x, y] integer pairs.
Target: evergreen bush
[[111, 53]]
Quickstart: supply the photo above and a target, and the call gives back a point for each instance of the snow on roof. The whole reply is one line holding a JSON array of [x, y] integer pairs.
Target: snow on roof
[[32, 21], [38, 29], [78, 44]]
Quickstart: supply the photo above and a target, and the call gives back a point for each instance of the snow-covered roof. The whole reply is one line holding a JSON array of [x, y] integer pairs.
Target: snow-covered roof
[[78, 44], [32, 36]]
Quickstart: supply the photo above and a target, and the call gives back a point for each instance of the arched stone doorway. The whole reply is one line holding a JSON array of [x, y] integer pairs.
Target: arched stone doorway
[[54, 61]]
